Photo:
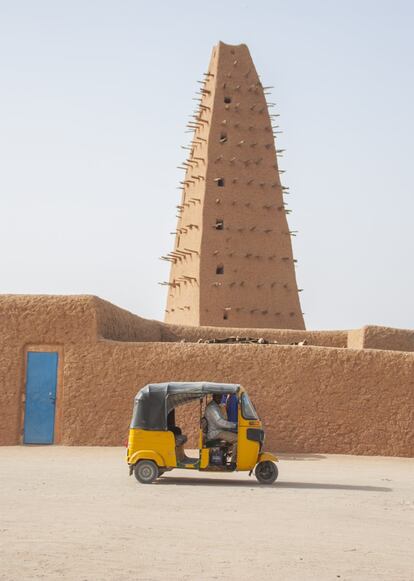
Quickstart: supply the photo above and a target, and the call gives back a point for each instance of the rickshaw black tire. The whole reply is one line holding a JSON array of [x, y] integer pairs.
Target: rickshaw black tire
[[146, 471], [266, 472]]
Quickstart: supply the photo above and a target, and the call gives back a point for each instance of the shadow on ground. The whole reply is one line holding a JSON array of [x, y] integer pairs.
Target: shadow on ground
[[300, 457], [185, 481]]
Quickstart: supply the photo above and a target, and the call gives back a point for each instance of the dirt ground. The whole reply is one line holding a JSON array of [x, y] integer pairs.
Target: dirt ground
[[73, 513]]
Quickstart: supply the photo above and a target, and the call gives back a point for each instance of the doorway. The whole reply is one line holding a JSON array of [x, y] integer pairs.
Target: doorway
[[41, 382]]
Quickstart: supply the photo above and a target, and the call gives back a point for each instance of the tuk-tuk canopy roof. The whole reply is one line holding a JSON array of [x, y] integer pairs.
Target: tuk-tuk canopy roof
[[154, 401]]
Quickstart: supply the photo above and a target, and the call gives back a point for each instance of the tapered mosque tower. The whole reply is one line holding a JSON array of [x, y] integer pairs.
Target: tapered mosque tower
[[232, 262]]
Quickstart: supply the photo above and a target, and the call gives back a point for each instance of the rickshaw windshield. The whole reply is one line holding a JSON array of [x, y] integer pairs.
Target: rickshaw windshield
[[247, 408]]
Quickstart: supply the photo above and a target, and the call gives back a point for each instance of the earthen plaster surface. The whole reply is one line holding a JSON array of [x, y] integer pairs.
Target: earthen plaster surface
[[232, 264], [282, 336], [311, 398], [375, 337]]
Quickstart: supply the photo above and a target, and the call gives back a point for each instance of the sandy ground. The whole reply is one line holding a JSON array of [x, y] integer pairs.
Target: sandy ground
[[73, 513]]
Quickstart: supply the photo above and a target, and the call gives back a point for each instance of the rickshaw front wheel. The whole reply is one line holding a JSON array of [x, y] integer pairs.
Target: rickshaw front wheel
[[146, 471], [266, 472]]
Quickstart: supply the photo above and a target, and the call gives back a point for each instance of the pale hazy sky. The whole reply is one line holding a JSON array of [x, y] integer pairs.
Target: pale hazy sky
[[94, 99]]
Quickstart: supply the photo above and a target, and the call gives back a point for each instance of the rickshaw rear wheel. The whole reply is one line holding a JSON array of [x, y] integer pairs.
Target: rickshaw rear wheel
[[266, 472], [146, 471]]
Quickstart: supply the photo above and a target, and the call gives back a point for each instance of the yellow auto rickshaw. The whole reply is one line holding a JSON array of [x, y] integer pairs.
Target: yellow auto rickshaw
[[156, 444]]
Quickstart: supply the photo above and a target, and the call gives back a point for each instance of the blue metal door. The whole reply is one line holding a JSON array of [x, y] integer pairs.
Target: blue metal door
[[41, 379]]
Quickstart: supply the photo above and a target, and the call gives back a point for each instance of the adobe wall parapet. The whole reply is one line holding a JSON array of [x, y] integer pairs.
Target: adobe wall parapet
[[86, 318], [47, 319], [172, 333], [384, 338], [70, 319], [119, 324]]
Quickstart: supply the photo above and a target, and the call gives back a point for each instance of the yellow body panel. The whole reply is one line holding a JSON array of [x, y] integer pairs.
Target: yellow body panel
[[247, 450], [152, 445], [146, 455], [267, 456], [204, 458]]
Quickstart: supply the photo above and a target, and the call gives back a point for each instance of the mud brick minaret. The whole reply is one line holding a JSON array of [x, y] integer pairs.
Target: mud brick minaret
[[232, 263]]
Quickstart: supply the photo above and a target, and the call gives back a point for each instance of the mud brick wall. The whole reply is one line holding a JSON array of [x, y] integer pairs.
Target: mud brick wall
[[375, 337], [311, 399], [319, 399]]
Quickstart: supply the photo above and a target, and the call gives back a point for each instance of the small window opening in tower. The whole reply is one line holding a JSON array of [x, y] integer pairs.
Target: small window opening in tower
[[227, 100], [219, 224], [220, 182], [220, 269], [223, 137], [225, 315]]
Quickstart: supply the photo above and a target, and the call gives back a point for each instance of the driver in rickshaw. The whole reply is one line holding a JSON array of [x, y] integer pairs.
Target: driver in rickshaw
[[218, 428]]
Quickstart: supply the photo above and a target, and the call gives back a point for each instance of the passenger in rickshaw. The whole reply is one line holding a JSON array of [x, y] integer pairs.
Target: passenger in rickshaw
[[231, 404], [180, 438], [218, 428]]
